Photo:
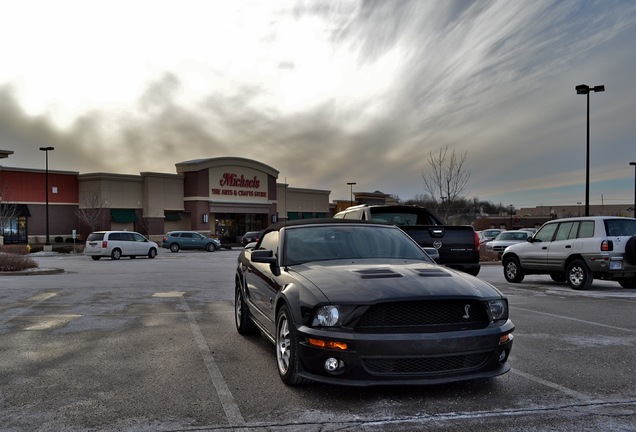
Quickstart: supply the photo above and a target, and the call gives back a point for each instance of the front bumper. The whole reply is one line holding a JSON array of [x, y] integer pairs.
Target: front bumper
[[407, 358]]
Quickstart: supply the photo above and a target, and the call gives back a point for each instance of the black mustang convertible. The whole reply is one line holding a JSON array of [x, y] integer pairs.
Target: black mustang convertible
[[360, 303]]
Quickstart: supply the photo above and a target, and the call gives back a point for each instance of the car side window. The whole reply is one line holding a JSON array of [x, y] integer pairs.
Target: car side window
[[114, 236], [563, 233], [186, 235], [586, 230], [138, 237], [127, 237], [546, 233], [270, 242]]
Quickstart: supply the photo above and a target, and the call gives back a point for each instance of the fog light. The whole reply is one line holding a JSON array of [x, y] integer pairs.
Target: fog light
[[503, 356], [333, 365]]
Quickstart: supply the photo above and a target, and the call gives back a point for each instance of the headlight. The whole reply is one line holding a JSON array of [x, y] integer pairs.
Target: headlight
[[498, 309], [330, 315]]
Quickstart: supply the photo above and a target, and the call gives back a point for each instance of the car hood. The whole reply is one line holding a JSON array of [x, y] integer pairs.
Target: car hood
[[376, 281]]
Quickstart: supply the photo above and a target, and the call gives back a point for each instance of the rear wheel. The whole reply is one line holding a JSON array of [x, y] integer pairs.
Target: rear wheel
[[628, 283], [174, 247], [152, 253], [115, 254], [244, 324], [579, 277], [96, 258], [287, 349], [512, 270]]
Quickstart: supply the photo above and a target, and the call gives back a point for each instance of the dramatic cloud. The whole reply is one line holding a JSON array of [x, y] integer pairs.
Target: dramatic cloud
[[329, 92]]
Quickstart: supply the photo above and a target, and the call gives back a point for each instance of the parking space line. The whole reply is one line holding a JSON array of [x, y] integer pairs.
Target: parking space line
[[36, 300], [577, 320], [568, 391], [232, 411]]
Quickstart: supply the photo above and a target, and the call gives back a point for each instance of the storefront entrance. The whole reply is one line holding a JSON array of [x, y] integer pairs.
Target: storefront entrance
[[230, 227]]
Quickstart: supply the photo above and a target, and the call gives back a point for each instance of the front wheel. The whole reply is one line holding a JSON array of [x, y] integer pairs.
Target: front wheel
[[579, 277], [152, 253], [512, 270], [287, 349], [210, 247]]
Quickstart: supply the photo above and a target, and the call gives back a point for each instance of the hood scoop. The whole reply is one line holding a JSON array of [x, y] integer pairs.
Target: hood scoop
[[431, 272], [377, 273]]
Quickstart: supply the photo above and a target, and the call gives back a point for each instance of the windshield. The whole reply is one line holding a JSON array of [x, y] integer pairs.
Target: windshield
[[331, 242], [512, 236]]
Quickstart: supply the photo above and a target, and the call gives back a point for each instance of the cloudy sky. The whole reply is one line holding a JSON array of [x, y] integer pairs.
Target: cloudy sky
[[329, 92]]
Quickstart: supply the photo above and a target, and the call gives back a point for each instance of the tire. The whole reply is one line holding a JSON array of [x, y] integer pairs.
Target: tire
[[152, 253], [96, 258], [174, 247], [244, 324], [210, 247], [115, 254], [474, 271], [630, 250], [287, 349], [558, 277], [578, 276], [628, 283], [512, 270]]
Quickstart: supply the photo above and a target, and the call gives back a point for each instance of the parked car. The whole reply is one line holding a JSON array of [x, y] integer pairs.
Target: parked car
[[360, 303], [507, 238], [491, 233], [577, 250], [250, 236], [176, 240], [117, 244]]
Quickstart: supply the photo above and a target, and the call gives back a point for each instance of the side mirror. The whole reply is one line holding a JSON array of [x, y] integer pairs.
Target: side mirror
[[263, 256]]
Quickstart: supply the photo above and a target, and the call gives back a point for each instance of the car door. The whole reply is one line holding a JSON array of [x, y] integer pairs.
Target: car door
[[261, 285], [140, 244], [562, 245], [535, 253], [199, 241]]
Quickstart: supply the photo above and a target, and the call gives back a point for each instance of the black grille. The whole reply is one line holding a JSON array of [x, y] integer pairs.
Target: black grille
[[425, 365], [431, 315]]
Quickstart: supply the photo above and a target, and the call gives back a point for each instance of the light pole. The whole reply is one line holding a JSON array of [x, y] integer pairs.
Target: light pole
[[46, 182], [585, 90], [634, 163], [351, 196]]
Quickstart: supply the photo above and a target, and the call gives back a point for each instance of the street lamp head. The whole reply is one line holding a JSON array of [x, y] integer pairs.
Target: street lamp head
[[47, 148], [599, 88], [582, 89], [632, 163], [351, 183]]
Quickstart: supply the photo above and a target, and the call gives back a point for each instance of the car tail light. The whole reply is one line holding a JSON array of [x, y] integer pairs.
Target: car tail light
[[104, 244], [607, 246], [476, 245]]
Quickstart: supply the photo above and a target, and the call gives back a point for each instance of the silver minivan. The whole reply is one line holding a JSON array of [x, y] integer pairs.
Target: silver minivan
[[117, 244]]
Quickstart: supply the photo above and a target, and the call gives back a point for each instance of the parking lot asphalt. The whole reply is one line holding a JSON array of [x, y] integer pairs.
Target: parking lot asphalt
[[150, 345]]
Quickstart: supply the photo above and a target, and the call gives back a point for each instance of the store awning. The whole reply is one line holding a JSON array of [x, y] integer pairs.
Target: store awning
[[15, 210], [171, 216], [123, 215], [293, 215]]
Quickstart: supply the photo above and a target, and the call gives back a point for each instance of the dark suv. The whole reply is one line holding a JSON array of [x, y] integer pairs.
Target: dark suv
[[176, 240]]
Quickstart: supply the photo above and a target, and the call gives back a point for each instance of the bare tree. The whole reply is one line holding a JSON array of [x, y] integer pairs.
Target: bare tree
[[447, 178], [90, 210]]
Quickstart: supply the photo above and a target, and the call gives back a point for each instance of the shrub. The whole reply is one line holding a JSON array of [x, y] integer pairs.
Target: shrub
[[15, 262], [59, 239]]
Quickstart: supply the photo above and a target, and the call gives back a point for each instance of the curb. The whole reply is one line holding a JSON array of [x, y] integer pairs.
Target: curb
[[33, 272]]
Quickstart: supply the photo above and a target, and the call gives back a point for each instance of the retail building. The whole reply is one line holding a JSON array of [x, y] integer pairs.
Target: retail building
[[223, 197]]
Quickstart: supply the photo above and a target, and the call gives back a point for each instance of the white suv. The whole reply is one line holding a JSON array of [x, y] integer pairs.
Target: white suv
[[116, 244], [577, 250]]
